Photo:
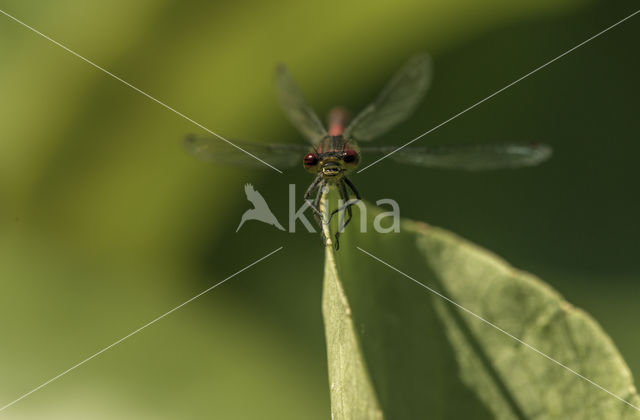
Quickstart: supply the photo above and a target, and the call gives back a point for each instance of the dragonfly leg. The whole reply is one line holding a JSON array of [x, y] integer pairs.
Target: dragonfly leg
[[347, 208], [317, 183], [345, 196], [317, 215], [353, 188], [313, 185], [349, 211]]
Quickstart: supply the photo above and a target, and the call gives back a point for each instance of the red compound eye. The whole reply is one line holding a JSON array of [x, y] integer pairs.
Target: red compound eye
[[310, 160], [350, 156]]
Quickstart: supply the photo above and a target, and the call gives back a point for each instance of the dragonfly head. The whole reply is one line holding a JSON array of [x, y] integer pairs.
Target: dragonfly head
[[332, 165]]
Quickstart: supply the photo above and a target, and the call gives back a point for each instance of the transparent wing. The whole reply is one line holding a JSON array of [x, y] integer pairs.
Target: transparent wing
[[396, 102], [473, 157], [296, 108], [213, 149]]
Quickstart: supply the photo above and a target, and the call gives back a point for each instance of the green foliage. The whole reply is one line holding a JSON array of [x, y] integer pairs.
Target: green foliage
[[397, 347], [352, 394]]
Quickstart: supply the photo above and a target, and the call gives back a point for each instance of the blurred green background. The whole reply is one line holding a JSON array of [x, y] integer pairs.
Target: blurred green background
[[106, 223]]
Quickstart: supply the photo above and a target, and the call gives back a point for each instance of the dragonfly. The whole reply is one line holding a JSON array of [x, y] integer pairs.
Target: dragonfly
[[332, 151]]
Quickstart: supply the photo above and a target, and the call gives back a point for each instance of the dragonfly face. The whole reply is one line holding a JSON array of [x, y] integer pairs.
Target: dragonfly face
[[334, 151], [332, 159]]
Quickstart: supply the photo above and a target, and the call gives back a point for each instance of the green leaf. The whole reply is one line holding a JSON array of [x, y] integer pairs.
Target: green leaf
[[398, 350], [352, 394]]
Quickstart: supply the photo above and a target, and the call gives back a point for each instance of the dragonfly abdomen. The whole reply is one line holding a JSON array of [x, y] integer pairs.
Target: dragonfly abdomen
[[338, 119]]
